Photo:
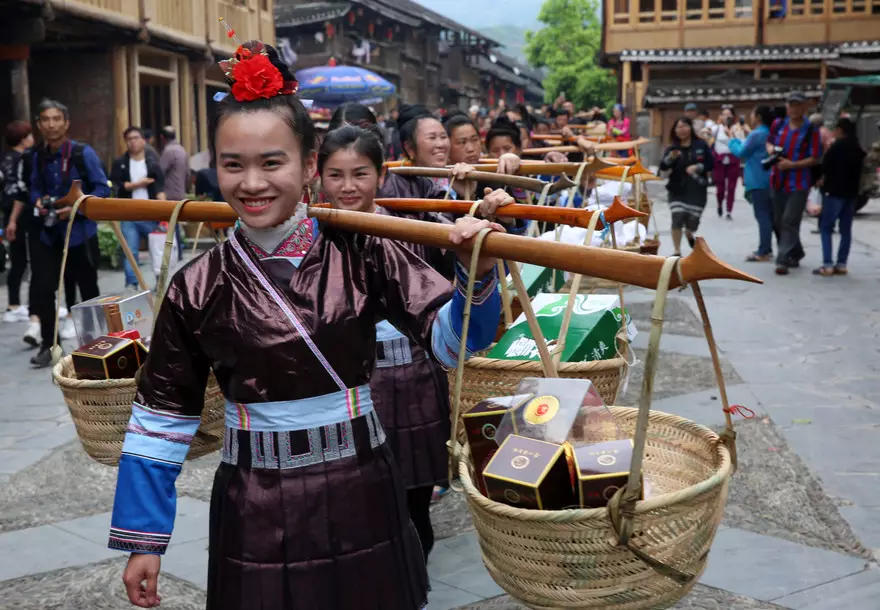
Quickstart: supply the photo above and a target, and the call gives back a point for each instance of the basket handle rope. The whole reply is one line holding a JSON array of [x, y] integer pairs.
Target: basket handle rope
[[56, 348], [621, 507], [569, 203], [130, 257], [162, 281]]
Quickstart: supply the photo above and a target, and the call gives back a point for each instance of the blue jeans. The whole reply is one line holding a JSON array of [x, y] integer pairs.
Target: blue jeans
[[133, 231], [842, 210], [762, 204]]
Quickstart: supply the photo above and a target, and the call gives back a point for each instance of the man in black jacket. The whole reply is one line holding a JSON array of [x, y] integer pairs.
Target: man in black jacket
[[136, 175]]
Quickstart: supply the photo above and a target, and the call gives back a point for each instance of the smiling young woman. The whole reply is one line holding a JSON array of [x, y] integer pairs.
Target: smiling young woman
[[308, 509]]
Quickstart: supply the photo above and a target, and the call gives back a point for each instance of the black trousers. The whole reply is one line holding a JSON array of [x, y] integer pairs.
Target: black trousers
[[82, 271], [418, 502], [18, 261]]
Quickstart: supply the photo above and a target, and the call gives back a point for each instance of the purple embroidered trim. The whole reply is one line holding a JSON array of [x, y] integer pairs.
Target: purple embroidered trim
[[173, 437], [261, 277]]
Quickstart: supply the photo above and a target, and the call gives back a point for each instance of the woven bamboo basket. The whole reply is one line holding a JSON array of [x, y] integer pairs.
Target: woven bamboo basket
[[633, 554], [571, 559], [101, 409]]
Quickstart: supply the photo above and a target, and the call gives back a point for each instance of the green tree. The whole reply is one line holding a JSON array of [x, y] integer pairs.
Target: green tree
[[567, 46]]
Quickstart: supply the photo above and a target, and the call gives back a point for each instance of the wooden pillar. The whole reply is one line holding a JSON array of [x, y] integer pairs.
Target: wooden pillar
[[202, 102], [120, 97], [134, 88], [174, 87], [21, 99], [643, 90], [823, 72], [626, 80], [187, 120], [757, 74]]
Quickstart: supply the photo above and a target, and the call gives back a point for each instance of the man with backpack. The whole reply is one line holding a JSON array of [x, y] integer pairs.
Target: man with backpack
[[794, 148], [57, 162]]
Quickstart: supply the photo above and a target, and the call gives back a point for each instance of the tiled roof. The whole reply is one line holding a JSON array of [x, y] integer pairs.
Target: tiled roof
[[726, 89], [288, 15], [429, 16], [859, 48], [728, 54], [499, 71], [525, 70]]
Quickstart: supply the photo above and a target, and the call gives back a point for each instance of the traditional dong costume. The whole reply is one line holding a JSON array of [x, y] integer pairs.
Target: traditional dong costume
[[308, 509]]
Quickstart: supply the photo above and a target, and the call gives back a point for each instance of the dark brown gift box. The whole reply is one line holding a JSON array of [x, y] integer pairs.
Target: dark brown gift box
[[480, 424], [106, 358], [143, 349], [601, 469], [529, 473]]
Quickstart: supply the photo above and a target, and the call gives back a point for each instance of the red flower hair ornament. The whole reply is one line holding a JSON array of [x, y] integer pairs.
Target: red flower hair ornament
[[253, 77]]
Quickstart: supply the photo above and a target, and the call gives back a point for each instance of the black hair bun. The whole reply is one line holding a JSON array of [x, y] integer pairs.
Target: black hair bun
[[410, 112], [504, 123]]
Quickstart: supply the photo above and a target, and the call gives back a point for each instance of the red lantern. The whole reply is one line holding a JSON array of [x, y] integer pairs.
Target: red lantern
[[351, 18], [330, 30], [371, 28], [389, 34], [332, 62], [491, 96]]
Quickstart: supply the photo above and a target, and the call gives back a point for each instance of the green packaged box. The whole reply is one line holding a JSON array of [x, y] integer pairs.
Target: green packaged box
[[595, 321], [538, 279]]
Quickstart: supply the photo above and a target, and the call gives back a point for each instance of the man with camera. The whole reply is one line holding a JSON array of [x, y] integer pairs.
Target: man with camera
[[794, 148], [57, 162]]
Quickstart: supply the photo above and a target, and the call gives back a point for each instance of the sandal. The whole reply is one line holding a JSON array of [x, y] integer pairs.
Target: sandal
[[840, 270], [758, 258], [824, 271]]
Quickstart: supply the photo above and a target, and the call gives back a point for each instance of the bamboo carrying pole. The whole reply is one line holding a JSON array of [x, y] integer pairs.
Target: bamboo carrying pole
[[529, 184], [567, 216], [627, 267], [548, 169]]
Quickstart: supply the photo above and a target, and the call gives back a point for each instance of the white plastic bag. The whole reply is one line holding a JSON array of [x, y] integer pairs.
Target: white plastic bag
[[157, 250]]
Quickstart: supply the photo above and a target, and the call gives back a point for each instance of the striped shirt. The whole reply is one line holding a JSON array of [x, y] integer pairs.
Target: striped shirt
[[795, 149]]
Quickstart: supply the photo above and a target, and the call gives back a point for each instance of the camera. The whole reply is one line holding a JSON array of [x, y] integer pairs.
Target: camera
[[48, 211], [773, 159]]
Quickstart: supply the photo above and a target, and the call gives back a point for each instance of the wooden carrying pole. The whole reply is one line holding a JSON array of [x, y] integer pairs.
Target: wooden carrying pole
[[613, 265], [548, 169], [529, 184], [573, 217]]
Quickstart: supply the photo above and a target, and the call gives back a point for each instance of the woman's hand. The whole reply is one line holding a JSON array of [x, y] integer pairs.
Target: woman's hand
[[588, 146], [141, 578], [555, 157], [492, 200], [461, 185], [567, 132], [508, 163], [460, 171], [465, 228]]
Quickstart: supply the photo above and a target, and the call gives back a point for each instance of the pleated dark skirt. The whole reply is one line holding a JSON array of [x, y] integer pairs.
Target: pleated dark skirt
[[330, 532], [411, 396]]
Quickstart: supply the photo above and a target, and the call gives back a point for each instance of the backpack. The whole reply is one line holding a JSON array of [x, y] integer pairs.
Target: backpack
[[77, 160]]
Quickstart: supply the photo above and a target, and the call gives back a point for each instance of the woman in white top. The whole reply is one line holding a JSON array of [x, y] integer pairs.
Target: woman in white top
[[726, 172]]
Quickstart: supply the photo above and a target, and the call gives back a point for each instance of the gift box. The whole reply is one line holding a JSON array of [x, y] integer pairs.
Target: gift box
[[595, 322], [529, 473], [538, 279], [599, 470], [480, 425], [106, 358], [110, 314], [142, 347]]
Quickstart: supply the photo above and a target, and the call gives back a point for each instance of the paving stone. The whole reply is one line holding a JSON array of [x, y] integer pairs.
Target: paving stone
[[457, 562], [676, 374], [14, 460], [43, 413], [676, 344], [46, 548], [678, 319], [705, 407], [855, 592], [50, 437], [837, 449], [191, 524], [92, 587], [865, 522], [768, 568], [444, 597], [188, 561]]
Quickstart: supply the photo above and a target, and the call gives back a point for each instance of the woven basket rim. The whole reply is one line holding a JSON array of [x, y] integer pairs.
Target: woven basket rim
[[721, 474], [61, 376], [567, 367]]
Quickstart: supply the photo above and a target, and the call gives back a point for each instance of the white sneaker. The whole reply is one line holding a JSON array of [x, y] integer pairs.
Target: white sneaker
[[67, 329], [62, 313], [33, 337], [16, 315]]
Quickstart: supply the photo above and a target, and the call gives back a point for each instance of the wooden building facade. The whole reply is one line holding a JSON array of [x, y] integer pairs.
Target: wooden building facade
[[116, 63], [743, 52], [431, 59]]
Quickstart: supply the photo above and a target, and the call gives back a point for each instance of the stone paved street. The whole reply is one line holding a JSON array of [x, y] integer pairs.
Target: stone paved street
[[801, 528]]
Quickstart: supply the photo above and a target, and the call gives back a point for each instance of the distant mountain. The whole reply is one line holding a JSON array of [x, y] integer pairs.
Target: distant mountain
[[484, 14]]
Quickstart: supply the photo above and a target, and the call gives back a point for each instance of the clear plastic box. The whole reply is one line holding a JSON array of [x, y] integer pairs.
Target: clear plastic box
[[112, 313]]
